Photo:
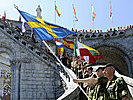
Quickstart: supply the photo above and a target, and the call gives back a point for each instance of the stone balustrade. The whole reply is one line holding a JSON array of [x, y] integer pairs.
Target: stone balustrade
[[99, 34]]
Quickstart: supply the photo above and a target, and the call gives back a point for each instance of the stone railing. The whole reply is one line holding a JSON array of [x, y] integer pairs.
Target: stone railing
[[103, 35]]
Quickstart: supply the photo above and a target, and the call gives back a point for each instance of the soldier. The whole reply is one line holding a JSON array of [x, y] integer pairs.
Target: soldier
[[88, 75], [97, 92], [74, 65], [116, 88]]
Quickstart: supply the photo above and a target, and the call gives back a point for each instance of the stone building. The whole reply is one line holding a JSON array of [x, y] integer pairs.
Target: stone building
[[28, 71]]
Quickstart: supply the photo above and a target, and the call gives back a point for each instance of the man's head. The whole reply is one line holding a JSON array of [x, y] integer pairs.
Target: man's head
[[89, 70], [99, 72], [73, 59], [109, 70]]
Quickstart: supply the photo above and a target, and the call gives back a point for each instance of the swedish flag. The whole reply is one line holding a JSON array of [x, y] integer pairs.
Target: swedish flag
[[45, 30]]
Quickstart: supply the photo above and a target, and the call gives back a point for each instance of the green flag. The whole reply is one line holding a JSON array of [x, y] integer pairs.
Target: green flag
[[75, 48]]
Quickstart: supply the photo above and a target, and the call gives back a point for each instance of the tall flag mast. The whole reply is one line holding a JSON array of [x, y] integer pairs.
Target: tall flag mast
[[75, 17], [93, 16], [57, 10]]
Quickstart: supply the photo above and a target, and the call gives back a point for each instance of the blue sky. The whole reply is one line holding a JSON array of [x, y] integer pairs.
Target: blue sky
[[121, 9]]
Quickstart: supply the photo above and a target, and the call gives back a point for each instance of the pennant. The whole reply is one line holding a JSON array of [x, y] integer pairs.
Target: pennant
[[76, 19], [23, 27], [110, 10], [45, 30], [93, 14], [68, 44], [57, 9]]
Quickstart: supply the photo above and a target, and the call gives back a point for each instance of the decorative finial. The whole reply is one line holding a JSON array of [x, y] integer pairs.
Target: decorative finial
[[15, 6]]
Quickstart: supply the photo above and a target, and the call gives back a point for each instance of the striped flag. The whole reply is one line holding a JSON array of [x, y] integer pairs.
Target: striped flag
[[23, 27], [110, 10], [93, 13], [60, 47], [76, 19], [44, 29], [75, 50], [57, 9], [89, 53], [68, 44]]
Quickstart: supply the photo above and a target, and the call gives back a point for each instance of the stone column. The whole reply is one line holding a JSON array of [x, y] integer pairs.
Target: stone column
[[15, 79]]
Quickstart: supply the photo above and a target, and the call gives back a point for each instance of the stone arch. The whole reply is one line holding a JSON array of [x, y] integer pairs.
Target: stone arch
[[117, 54], [7, 49]]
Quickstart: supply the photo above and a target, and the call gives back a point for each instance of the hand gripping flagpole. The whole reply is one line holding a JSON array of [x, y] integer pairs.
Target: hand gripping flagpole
[[15, 6]]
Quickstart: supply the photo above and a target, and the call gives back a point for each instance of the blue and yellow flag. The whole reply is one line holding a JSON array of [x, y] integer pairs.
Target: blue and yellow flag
[[45, 30]]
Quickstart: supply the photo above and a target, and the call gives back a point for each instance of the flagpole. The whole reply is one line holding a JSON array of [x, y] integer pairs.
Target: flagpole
[[62, 65], [93, 25], [56, 57], [73, 23], [55, 13]]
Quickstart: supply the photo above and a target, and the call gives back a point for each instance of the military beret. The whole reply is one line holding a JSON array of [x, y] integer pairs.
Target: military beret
[[108, 65], [99, 68], [89, 68]]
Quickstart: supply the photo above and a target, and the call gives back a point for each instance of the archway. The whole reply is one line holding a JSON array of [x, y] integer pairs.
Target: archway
[[5, 76], [115, 56]]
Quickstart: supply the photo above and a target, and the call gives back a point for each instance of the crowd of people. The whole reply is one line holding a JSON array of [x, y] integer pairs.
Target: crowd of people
[[102, 85]]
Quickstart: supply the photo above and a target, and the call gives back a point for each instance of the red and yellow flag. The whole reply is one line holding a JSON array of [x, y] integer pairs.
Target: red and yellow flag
[[68, 44]]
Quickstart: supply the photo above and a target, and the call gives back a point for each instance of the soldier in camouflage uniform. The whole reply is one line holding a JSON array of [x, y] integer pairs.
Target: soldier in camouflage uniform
[[116, 88], [97, 92], [97, 85]]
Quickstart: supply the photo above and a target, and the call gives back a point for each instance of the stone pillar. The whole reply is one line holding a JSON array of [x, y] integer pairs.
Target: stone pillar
[[132, 70], [15, 80]]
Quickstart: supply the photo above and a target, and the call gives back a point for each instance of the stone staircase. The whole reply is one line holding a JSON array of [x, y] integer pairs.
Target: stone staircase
[[62, 78]]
